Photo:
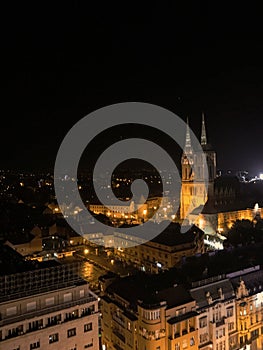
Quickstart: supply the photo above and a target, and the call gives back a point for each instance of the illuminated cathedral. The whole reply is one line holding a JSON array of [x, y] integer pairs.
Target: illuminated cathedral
[[214, 204]]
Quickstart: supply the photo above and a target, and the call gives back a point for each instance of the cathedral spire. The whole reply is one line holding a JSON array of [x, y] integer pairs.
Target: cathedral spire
[[203, 133], [188, 145]]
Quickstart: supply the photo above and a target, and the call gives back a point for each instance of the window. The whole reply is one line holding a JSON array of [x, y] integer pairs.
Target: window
[[230, 326], [203, 337], [89, 345], [67, 297], [88, 327], [180, 311], [81, 293], [192, 341], [35, 345], [31, 306], [71, 332], [53, 338], [50, 301], [11, 311], [203, 322], [151, 315], [220, 333], [54, 320], [230, 311]]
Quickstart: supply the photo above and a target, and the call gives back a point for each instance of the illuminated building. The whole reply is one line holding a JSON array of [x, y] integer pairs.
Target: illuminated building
[[249, 304], [193, 192], [216, 308], [136, 317], [220, 206], [147, 312], [47, 308], [162, 252], [130, 212]]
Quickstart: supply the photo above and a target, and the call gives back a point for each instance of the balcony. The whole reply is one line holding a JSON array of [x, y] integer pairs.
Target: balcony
[[220, 322], [50, 324], [119, 335], [46, 310], [119, 320], [117, 347], [14, 334]]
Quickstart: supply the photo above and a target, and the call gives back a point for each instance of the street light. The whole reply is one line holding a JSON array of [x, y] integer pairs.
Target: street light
[[86, 251]]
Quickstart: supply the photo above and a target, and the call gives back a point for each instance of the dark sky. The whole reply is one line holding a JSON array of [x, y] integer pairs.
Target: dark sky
[[63, 61]]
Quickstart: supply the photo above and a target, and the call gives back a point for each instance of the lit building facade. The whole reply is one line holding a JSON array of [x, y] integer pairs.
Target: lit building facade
[[216, 209], [157, 324], [132, 212], [193, 191], [50, 308], [220, 313], [249, 305], [162, 252], [216, 308]]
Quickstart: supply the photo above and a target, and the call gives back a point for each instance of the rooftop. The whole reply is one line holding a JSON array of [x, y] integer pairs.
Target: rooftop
[[150, 290], [172, 235]]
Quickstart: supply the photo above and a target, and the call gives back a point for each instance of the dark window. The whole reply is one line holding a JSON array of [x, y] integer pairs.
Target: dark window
[[88, 327], [35, 345], [71, 332]]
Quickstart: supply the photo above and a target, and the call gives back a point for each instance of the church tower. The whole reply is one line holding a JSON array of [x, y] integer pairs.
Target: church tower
[[210, 159], [193, 191]]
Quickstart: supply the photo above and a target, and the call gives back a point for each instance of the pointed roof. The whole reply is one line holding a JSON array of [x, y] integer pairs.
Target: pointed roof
[[205, 145], [188, 145], [203, 133]]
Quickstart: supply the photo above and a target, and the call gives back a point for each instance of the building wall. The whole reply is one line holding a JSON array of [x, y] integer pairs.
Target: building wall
[[34, 246], [192, 195], [148, 328], [226, 219], [151, 253], [249, 318], [64, 318], [221, 316]]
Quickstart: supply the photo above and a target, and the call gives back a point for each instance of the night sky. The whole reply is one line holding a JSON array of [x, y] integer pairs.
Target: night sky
[[63, 61]]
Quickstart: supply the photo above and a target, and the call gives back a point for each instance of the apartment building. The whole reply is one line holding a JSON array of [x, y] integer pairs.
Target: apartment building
[[150, 317], [48, 308], [249, 306], [152, 312], [216, 313]]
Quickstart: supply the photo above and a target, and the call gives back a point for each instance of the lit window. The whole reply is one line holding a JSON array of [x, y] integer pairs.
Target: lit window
[[53, 338]]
